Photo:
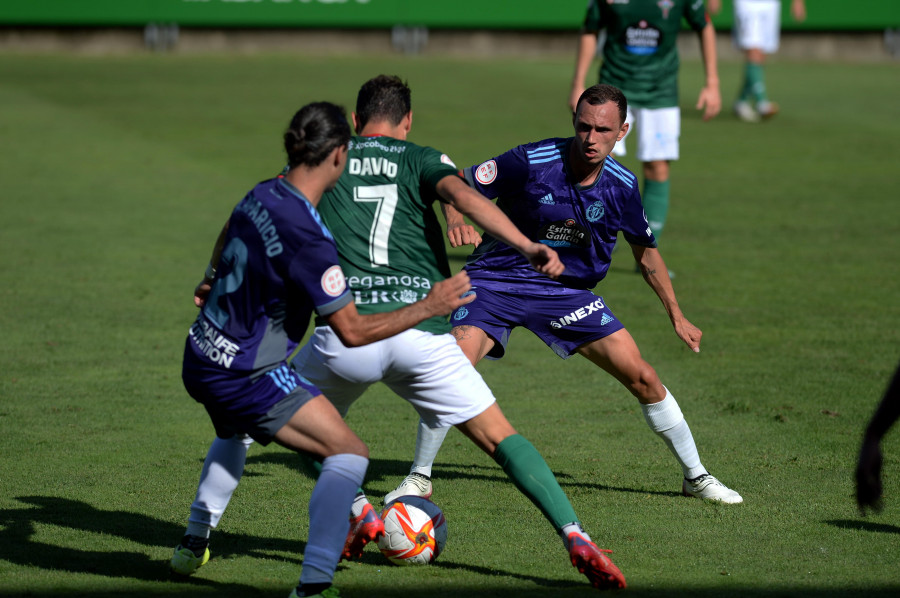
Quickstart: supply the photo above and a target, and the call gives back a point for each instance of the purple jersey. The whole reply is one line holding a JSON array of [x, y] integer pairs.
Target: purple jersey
[[533, 187], [279, 263]]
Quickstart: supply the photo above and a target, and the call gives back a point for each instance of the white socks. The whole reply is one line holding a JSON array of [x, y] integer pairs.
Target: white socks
[[221, 473], [428, 443], [665, 418]]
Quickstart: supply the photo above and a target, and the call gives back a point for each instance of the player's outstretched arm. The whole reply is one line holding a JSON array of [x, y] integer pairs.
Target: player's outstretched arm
[[490, 218], [201, 292], [587, 49], [355, 329], [459, 232], [656, 274], [710, 99]]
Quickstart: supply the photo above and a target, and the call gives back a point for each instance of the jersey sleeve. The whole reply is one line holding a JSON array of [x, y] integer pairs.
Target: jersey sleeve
[[434, 167], [316, 270], [695, 14], [592, 21], [635, 228], [499, 176]]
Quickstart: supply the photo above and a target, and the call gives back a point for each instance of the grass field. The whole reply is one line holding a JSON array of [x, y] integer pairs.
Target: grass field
[[117, 173]]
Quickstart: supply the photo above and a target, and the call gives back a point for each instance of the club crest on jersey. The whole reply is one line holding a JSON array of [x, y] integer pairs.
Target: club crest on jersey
[[487, 172], [665, 6], [333, 281], [596, 211]]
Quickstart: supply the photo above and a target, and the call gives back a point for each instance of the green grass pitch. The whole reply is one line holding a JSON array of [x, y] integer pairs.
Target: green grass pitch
[[117, 173]]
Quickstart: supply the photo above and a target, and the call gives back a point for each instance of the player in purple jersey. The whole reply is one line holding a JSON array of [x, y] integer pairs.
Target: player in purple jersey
[[424, 366], [569, 194], [273, 265], [640, 56]]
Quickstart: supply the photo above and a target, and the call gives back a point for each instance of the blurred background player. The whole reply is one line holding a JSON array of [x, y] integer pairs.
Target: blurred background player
[[273, 264], [640, 57], [569, 194], [391, 247], [868, 467], [757, 25]]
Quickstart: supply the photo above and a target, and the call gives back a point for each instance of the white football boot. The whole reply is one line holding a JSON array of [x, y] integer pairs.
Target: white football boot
[[708, 487], [415, 484], [745, 112]]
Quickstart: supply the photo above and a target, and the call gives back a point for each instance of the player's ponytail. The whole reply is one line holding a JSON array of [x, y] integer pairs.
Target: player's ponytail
[[314, 132]]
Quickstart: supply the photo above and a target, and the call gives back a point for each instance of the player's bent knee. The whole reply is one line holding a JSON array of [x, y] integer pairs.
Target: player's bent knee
[[351, 444], [646, 385]]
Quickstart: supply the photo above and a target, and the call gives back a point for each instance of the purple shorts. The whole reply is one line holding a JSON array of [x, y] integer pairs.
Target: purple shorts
[[258, 406], [564, 320]]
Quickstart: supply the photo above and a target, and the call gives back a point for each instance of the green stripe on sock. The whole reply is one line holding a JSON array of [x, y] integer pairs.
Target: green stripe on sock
[[531, 474]]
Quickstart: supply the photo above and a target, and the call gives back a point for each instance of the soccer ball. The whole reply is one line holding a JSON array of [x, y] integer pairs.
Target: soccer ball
[[415, 531]]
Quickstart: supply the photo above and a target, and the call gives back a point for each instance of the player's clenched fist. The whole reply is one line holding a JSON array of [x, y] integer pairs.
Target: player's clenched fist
[[545, 260], [447, 294]]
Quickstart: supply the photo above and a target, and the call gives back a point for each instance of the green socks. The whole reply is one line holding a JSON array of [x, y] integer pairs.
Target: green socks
[[531, 474], [656, 205], [754, 83]]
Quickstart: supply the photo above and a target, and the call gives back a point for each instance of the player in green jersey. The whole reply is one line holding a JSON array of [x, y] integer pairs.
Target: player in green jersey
[[757, 25], [640, 57], [396, 250], [391, 249]]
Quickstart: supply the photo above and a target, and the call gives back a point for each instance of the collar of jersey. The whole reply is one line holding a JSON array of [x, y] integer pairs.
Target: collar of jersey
[[293, 190]]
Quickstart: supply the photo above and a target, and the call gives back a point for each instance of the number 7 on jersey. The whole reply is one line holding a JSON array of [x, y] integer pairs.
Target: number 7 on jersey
[[385, 197]]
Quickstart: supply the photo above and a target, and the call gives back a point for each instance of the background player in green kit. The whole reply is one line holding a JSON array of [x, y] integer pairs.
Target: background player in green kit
[[391, 249], [757, 27], [640, 57]]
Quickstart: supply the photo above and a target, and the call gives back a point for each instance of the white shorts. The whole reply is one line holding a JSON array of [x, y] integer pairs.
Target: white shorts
[[657, 133], [757, 24], [428, 370]]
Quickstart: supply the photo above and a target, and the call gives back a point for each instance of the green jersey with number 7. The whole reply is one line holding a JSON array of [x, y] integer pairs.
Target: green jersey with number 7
[[390, 243]]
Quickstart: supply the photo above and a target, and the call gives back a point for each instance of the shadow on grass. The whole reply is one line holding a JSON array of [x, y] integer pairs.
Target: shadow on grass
[[863, 525], [459, 591], [18, 527], [392, 471], [18, 546]]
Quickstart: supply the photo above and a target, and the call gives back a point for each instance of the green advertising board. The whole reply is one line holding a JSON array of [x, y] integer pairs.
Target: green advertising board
[[437, 14]]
